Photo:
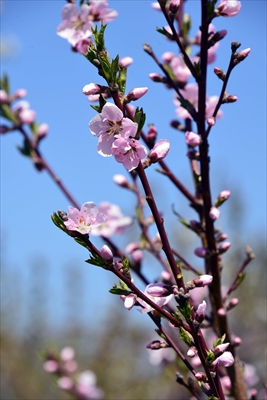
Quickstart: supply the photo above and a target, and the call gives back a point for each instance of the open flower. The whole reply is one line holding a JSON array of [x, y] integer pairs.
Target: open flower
[[160, 301], [115, 223], [128, 151], [75, 26], [86, 219], [110, 125], [99, 11], [228, 8]]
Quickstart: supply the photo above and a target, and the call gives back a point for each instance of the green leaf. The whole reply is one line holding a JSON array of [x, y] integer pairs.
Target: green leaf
[[26, 150], [99, 37], [105, 65], [186, 26], [4, 83], [58, 222], [95, 260], [210, 357], [139, 118], [169, 70], [240, 279], [165, 33], [114, 69], [91, 54], [185, 310], [79, 241], [119, 290], [211, 7], [184, 335], [219, 341], [102, 102], [6, 112], [121, 79]]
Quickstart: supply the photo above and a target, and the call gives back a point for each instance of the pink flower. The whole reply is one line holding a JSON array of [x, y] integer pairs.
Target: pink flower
[[158, 289], [220, 348], [82, 46], [106, 254], [86, 219], [136, 93], [120, 180], [214, 213], [110, 125], [129, 301], [160, 301], [67, 353], [225, 360], [224, 247], [4, 98], [50, 366], [228, 8], [203, 280], [201, 252], [25, 115], [91, 88], [159, 151], [125, 62], [201, 310], [86, 386], [65, 383], [193, 139], [75, 26], [128, 151], [99, 11], [42, 131], [115, 223], [179, 68]]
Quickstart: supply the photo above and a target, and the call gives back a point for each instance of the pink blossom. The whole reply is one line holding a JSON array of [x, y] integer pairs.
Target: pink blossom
[[4, 98], [158, 289], [137, 256], [136, 93], [75, 26], [125, 62], [193, 139], [25, 115], [155, 77], [160, 301], [224, 247], [190, 93], [224, 195], [86, 386], [203, 280], [70, 366], [156, 6], [115, 223], [214, 213], [201, 310], [159, 151], [99, 11], [42, 131], [228, 8], [128, 151], [50, 366], [19, 94], [109, 125], [179, 68], [191, 352], [91, 88], [82, 46], [67, 353], [167, 57], [225, 360], [201, 252], [86, 219], [162, 356], [65, 383], [106, 253], [220, 348], [120, 180], [129, 301]]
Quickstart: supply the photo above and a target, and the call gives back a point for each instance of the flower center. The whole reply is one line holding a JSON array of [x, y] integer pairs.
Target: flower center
[[114, 127]]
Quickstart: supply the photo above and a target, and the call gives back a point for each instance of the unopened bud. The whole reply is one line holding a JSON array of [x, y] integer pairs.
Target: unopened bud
[[211, 121], [91, 89], [4, 129], [159, 289], [219, 72], [223, 196], [200, 376], [201, 252], [19, 94], [232, 304], [214, 213], [136, 94], [176, 125], [224, 247], [125, 62], [229, 99], [193, 139], [159, 151], [120, 180], [192, 351], [4, 98], [42, 131], [220, 348], [241, 55], [107, 254], [50, 366], [174, 6], [157, 77], [67, 353], [167, 57], [26, 116], [203, 280], [65, 383]]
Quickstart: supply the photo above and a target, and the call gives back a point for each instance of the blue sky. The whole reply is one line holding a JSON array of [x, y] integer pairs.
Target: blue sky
[[41, 62]]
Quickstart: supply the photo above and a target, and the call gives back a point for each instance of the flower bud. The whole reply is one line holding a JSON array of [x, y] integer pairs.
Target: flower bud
[[82, 46], [241, 55], [125, 62], [26, 116], [232, 304], [50, 366], [214, 213], [200, 376], [19, 94], [224, 247], [228, 8], [42, 131], [225, 360], [136, 94], [167, 57], [192, 139], [4, 129], [156, 344], [67, 353], [174, 6], [120, 180], [201, 311], [220, 348], [159, 151], [65, 383], [192, 351], [203, 280], [219, 72], [159, 289], [201, 252], [70, 366], [221, 312], [223, 196], [211, 121], [129, 301], [4, 98], [221, 237], [107, 254], [156, 77], [91, 89], [229, 99]]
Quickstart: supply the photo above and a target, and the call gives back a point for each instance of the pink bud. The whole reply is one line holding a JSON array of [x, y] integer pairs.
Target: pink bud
[[237, 341], [130, 301], [26, 116], [126, 62], [214, 213], [192, 139], [70, 366], [155, 77], [67, 353], [42, 131], [4, 129], [203, 280], [19, 94], [82, 46], [106, 254], [226, 381], [221, 312], [120, 180], [137, 256], [232, 304], [241, 55], [220, 348], [65, 383], [166, 276], [3, 96], [132, 246], [91, 89], [191, 352], [50, 366], [201, 310], [224, 247], [154, 345], [228, 8], [136, 93], [174, 6], [201, 252], [211, 121], [200, 376], [229, 99], [224, 195], [159, 151], [220, 73], [167, 56], [159, 289], [156, 6], [225, 360]]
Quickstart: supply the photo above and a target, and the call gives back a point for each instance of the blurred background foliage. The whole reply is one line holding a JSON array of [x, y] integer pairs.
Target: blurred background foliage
[[107, 338]]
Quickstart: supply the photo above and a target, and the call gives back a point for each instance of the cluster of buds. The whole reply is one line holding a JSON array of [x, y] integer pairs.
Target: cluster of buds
[[81, 385]]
